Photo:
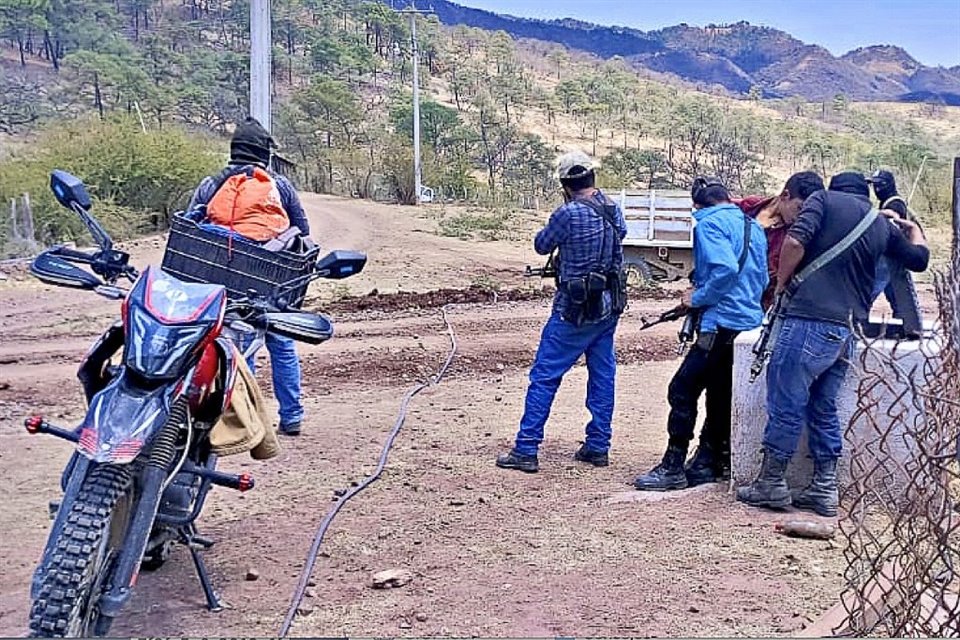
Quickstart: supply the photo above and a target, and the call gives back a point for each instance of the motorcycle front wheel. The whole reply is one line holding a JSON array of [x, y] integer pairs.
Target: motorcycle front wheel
[[83, 555]]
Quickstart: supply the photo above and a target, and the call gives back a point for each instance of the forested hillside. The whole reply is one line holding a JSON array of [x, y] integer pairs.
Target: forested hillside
[[495, 111]]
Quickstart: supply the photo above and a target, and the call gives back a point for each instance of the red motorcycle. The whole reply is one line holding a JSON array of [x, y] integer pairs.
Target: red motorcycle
[[143, 463]]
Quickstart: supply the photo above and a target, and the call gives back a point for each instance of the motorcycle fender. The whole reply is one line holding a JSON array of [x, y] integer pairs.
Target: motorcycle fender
[[123, 419]]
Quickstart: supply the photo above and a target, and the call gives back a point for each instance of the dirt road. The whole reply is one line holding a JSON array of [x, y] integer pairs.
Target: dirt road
[[569, 551]]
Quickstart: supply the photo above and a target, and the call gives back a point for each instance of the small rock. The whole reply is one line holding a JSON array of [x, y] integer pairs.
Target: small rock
[[252, 575], [422, 617], [694, 610], [311, 593], [456, 503], [339, 492], [305, 609], [391, 578], [498, 398], [3, 276], [406, 625], [311, 582]]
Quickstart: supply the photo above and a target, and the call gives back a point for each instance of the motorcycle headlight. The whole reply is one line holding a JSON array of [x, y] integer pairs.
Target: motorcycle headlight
[[157, 350]]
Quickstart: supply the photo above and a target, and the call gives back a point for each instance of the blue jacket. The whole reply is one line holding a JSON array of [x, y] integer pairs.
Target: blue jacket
[[728, 300]]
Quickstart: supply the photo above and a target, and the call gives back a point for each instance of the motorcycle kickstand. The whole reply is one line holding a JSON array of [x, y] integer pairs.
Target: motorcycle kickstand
[[193, 540]]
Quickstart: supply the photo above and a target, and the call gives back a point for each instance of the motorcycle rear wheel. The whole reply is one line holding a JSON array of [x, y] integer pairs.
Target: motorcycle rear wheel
[[82, 558]]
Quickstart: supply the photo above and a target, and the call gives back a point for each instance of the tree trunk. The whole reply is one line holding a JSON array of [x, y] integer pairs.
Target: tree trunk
[[97, 98]]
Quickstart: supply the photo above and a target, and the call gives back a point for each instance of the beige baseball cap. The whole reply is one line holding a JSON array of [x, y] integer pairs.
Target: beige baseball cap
[[575, 164]]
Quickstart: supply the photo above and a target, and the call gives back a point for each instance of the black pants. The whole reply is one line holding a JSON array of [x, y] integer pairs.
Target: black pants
[[703, 370]]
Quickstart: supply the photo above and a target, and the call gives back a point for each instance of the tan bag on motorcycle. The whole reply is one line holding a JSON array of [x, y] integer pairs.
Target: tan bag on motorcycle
[[245, 425]]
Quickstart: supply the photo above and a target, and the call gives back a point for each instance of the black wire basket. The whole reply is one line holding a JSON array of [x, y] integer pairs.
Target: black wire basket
[[196, 254]]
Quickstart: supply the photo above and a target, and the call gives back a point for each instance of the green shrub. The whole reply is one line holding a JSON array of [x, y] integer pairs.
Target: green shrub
[[136, 179]]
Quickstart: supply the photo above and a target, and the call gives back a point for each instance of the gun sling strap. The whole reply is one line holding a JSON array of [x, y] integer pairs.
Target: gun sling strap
[[828, 256]]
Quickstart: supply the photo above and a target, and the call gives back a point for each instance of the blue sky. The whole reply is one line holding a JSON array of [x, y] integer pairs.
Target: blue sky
[[928, 29]]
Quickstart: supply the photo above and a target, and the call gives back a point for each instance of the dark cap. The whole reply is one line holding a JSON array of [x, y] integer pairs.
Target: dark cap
[[884, 184], [850, 182], [251, 143], [881, 176]]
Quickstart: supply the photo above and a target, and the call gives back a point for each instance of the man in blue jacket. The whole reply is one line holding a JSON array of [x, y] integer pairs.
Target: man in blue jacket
[[730, 275]]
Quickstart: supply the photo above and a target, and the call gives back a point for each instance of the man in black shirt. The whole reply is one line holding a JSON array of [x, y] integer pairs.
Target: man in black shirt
[[815, 343], [893, 280]]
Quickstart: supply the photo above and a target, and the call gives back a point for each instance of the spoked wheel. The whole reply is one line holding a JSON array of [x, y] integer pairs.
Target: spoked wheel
[[83, 556]]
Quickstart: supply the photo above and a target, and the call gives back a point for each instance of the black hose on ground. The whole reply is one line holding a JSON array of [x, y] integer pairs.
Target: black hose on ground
[[385, 452]]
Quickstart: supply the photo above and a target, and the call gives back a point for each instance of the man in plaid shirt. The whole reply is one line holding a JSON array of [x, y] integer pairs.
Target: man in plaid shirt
[[587, 243]]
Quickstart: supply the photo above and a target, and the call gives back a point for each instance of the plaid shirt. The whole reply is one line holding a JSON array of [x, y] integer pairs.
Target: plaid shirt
[[288, 196], [585, 241]]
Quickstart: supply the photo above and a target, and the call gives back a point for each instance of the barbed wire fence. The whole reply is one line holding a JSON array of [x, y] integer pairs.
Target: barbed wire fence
[[901, 532]]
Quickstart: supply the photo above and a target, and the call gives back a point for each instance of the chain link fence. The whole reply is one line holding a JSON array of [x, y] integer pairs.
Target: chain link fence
[[901, 533]]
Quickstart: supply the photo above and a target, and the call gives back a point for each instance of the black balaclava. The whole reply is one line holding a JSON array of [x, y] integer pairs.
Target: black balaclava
[[850, 182], [250, 144], [884, 185]]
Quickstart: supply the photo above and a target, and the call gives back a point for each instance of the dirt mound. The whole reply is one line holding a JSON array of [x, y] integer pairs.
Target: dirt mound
[[405, 300]]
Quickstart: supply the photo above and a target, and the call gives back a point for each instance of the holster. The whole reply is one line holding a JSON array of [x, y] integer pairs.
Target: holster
[[586, 296]]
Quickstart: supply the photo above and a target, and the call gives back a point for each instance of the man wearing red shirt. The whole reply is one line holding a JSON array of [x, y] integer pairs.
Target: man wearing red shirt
[[770, 213]]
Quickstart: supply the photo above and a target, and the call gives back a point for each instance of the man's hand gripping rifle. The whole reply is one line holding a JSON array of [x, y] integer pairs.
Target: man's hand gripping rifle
[[688, 330], [769, 331]]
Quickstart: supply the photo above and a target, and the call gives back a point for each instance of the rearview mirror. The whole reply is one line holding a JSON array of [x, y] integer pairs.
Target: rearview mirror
[[69, 190], [337, 265], [54, 270]]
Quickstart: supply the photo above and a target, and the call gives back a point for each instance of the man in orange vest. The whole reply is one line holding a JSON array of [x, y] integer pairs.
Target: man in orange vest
[[250, 148]]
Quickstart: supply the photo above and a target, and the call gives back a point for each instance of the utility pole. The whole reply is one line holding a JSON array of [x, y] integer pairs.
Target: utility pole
[[260, 44], [413, 12]]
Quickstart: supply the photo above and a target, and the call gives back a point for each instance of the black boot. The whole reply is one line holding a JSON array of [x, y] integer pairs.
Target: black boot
[[706, 465], [821, 494], [520, 462], [596, 458], [666, 476], [770, 489]]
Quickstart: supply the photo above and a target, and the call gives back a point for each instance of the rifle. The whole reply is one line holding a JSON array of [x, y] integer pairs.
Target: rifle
[[548, 270], [769, 330], [688, 330]]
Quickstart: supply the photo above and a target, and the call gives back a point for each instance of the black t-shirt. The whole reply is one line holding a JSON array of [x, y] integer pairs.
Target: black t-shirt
[[842, 288]]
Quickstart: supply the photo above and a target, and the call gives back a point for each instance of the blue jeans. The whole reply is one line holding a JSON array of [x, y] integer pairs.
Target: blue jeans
[[561, 345], [285, 371], [809, 362], [882, 283]]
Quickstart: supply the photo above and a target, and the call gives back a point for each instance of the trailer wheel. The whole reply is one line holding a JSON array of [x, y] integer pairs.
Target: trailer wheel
[[639, 274]]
